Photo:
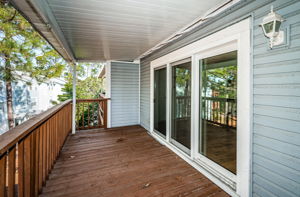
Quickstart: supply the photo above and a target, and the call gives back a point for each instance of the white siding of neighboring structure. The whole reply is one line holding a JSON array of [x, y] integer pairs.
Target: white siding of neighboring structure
[[28, 100]]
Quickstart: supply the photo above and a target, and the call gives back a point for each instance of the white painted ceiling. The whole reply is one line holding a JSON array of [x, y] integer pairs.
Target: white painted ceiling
[[96, 30]]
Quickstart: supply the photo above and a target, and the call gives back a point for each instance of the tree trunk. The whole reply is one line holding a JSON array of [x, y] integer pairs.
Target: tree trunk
[[10, 115], [9, 96]]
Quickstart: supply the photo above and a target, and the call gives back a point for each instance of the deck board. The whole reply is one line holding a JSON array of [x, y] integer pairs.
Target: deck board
[[123, 161]]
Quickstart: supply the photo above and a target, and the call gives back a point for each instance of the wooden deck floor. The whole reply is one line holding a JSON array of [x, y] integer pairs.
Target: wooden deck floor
[[123, 162]]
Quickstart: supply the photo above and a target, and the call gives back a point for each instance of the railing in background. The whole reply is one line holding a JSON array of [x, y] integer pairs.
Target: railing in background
[[183, 106], [91, 113], [28, 151], [220, 111]]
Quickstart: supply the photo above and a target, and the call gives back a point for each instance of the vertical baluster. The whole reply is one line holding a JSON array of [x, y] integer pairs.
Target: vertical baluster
[[230, 119], [235, 108], [77, 116], [21, 169], [55, 136], [218, 111], [36, 162], [27, 167], [99, 105], [40, 167], [51, 142], [83, 115], [105, 113], [93, 113], [48, 149], [206, 108], [44, 154], [223, 109], [2, 175], [210, 111], [88, 105], [11, 172], [65, 126], [32, 161], [70, 117]]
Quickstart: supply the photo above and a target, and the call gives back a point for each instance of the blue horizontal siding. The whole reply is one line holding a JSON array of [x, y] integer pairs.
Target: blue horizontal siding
[[276, 94], [124, 94]]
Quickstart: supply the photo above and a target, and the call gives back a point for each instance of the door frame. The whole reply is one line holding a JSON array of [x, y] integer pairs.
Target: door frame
[[155, 69], [173, 141], [235, 36], [218, 171]]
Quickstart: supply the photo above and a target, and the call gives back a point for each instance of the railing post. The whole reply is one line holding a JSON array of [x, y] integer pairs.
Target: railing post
[[74, 100], [105, 114]]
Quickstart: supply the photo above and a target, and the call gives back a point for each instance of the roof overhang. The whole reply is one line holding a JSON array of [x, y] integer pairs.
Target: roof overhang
[[103, 30]]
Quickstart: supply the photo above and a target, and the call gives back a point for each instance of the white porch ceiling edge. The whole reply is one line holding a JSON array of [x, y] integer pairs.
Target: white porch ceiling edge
[[100, 30]]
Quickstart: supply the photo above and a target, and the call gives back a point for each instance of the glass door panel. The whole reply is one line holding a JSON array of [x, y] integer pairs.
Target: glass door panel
[[160, 89], [218, 109], [181, 105]]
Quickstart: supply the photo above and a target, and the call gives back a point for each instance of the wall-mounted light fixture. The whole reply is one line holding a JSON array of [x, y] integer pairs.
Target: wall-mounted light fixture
[[271, 27]]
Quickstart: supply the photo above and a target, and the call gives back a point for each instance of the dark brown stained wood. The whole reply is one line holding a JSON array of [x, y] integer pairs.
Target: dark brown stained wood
[[2, 175], [123, 161], [9, 139], [27, 167], [47, 149], [41, 158], [91, 114], [11, 172], [32, 162], [21, 169], [36, 163], [44, 152]]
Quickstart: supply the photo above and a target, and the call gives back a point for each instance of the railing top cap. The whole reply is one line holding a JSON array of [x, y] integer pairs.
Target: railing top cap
[[13, 136]]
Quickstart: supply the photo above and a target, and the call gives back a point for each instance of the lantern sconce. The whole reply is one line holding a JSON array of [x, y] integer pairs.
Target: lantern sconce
[[271, 25]]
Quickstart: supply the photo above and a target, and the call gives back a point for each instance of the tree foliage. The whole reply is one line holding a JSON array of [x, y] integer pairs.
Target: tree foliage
[[88, 85], [23, 51]]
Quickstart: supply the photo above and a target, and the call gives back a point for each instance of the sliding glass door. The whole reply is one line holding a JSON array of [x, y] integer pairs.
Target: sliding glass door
[[160, 99], [218, 109], [181, 105], [207, 104]]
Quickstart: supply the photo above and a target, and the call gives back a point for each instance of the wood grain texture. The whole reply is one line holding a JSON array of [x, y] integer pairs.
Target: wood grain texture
[[10, 138], [21, 169], [3, 175], [123, 161], [91, 113], [11, 172]]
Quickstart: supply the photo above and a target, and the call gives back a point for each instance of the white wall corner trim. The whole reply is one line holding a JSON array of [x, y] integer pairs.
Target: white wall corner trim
[[108, 92]]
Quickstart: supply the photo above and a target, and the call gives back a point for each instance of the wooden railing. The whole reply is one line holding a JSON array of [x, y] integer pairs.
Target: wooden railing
[[220, 111], [91, 113], [28, 151]]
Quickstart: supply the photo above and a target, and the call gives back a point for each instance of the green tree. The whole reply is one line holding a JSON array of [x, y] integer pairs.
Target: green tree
[[23, 52], [88, 85]]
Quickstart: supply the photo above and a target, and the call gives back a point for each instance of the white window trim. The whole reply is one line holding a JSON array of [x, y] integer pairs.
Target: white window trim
[[235, 36], [108, 91]]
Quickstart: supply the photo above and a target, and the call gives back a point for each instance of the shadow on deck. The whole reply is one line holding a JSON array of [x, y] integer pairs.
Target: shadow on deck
[[123, 161]]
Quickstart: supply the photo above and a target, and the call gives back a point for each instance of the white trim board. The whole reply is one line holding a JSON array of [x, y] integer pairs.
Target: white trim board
[[235, 37], [108, 92]]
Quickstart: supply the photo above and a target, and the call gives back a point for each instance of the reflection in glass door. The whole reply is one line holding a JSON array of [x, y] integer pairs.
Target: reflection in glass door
[[218, 109], [160, 89], [181, 105]]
